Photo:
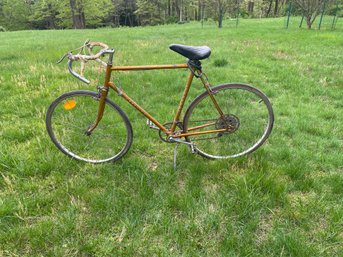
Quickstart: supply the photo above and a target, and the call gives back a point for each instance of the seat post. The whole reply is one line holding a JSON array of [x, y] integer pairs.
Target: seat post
[[195, 65]]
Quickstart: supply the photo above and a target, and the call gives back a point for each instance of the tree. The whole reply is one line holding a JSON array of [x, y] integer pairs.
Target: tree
[[310, 9], [125, 11], [149, 12], [278, 5], [78, 14], [273, 6], [220, 8], [2, 16], [44, 15], [81, 14], [15, 13]]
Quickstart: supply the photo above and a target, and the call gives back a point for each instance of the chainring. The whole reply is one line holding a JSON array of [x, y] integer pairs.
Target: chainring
[[164, 137]]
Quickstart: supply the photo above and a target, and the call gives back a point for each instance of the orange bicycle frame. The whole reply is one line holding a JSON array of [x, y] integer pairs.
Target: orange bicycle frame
[[108, 84]]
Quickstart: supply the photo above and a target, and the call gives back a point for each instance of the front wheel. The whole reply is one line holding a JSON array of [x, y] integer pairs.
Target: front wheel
[[69, 117], [244, 125]]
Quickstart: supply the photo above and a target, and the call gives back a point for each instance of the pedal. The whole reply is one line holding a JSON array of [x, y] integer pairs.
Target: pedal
[[193, 148], [151, 125]]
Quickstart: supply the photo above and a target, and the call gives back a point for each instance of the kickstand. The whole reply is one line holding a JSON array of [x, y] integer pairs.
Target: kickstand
[[175, 153]]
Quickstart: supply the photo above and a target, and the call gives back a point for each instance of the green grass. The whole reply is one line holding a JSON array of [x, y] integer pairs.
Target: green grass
[[283, 200]]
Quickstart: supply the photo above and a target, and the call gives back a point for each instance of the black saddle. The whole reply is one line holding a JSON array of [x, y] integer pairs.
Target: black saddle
[[192, 52]]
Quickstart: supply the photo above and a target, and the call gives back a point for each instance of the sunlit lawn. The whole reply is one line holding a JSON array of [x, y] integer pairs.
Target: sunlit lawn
[[284, 199]]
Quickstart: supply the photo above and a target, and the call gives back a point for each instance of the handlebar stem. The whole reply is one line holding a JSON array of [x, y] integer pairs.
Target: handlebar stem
[[110, 52]]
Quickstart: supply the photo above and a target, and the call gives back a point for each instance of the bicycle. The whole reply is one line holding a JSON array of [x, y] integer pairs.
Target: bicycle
[[225, 121]]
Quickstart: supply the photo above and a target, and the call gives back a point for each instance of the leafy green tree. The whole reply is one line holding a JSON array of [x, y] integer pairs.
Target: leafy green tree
[[44, 14], [84, 13], [77, 10], [79, 14], [2, 17], [220, 8], [310, 9], [150, 12], [124, 10], [96, 11], [15, 13]]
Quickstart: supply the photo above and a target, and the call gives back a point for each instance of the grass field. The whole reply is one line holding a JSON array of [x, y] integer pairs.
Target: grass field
[[286, 199]]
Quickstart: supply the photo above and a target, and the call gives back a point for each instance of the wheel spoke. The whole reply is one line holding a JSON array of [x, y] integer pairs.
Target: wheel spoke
[[110, 140], [247, 118]]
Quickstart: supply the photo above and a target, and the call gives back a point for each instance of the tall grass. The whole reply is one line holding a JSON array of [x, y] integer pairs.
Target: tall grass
[[285, 199]]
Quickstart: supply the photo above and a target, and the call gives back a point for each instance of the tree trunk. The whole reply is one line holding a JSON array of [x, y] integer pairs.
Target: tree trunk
[[251, 7], [269, 7], [310, 9], [169, 8], [281, 3], [51, 22], [276, 9], [309, 22], [199, 10], [220, 19], [195, 14], [78, 15], [177, 9], [181, 9]]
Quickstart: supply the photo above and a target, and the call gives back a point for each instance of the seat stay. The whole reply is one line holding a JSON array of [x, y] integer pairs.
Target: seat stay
[[211, 94]]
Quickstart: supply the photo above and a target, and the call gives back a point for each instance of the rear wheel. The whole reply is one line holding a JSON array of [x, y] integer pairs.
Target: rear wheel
[[247, 120], [69, 117]]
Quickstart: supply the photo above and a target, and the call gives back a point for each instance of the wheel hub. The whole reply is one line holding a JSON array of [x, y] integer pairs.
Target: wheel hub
[[229, 122]]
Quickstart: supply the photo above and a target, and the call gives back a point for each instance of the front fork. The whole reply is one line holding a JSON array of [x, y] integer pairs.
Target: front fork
[[103, 91]]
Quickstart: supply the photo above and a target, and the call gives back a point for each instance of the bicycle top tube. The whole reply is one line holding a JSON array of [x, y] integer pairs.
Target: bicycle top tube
[[150, 67]]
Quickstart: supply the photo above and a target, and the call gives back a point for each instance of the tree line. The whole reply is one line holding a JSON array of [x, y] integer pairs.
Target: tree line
[[80, 14]]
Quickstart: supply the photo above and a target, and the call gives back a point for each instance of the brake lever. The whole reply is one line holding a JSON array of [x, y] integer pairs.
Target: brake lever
[[64, 56]]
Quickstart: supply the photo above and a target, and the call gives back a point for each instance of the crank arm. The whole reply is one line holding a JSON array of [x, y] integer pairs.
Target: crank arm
[[177, 140]]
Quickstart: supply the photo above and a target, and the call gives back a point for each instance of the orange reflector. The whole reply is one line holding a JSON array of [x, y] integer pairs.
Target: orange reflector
[[70, 104]]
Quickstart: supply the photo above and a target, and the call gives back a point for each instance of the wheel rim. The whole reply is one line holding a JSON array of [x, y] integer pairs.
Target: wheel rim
[[247, 112], [71, 116]]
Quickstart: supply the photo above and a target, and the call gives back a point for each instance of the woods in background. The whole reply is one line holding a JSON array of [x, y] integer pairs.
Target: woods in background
[[80, 14]]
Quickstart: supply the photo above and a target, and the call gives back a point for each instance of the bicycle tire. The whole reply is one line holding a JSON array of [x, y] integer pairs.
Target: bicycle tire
[[247, 112], [70, 115]]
